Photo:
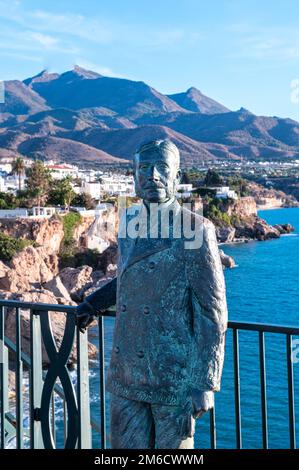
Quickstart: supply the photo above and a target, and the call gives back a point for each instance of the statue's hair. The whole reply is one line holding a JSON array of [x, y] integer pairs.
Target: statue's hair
[[160, 147]]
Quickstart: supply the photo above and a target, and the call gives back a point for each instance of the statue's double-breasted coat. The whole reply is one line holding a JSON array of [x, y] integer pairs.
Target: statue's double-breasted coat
[[171, 317]]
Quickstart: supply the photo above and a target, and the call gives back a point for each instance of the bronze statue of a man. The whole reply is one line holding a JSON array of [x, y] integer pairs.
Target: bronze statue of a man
[[171, 313]]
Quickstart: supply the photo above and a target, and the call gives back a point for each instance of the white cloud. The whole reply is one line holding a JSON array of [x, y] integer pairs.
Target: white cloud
[[45, 39], [101, 69], [276, 43]]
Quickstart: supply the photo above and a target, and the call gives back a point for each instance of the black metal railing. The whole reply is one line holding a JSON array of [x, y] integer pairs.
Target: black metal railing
[[38, 401]]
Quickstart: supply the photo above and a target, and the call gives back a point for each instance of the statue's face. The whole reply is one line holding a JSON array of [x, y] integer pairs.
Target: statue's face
[[156, 176]]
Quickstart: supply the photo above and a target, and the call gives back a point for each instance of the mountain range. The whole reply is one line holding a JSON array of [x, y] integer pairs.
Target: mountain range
[[85, 118]]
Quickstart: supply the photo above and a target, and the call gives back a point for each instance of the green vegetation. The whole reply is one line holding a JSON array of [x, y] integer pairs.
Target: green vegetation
[[84, 200], [213, 178], [61, 192], [78, 258], [213, 209], [18, 168], [8, 201], [9, 246], [38, 182], [68, 248], [70, 222], [240, 185]]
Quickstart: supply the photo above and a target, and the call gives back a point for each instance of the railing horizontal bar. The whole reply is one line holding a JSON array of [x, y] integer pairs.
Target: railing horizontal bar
[[265, 327], [38, 307]]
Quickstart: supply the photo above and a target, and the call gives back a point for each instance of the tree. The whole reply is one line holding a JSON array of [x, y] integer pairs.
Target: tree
[[213, 178], [18, 168], [62, 192], [38, 182], [84, 200]]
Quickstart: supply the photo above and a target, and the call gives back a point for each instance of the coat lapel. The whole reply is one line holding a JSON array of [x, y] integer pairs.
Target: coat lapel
[[133, 250]]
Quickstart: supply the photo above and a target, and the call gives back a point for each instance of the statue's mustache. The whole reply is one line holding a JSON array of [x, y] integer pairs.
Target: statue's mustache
[[155, 186]]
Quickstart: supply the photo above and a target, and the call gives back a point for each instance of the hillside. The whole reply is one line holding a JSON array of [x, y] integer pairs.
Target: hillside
[[194, 100], [81, 116]]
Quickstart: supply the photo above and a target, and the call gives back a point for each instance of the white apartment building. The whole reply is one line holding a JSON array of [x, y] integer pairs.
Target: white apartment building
[[62, 170], [184, 190], [93, 188], [118, 185], [225, 192]]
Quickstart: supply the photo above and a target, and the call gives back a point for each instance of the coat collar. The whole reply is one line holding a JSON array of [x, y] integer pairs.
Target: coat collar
[[134, 249]]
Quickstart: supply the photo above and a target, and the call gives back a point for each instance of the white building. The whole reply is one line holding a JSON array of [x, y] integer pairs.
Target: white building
[[60, 171], [184, 190], [116, 185], [225, 192], [2, 184], [93, 188]]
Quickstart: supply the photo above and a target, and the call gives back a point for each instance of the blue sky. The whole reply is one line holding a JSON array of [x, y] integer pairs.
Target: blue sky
[[239, 53]]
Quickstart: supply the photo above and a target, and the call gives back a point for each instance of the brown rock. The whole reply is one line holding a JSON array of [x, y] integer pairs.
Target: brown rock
[[225, 234], [226, 260], [56, 286], [48, 233], [76, 281], [31, 266], [284, 228]]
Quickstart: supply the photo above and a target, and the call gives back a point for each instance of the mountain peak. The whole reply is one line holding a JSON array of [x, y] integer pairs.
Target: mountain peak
[[43, 76], [84, 72], [192, 90], [244, 111], [194, 100]]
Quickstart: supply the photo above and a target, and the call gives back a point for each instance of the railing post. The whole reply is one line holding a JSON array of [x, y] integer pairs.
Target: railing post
[[213, 441], [292, 426], [84, 428], [263, 388], [36, 381], [19, 382], [237, 389], [102, 381], [2, 384]]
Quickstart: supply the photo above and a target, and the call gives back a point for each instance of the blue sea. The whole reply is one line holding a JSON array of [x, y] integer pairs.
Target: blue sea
[[262, 288]]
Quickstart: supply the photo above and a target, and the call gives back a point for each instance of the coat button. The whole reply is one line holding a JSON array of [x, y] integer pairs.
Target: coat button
[[116, 349], [146, 310], [123, 308], [152, 264], [140, 354]]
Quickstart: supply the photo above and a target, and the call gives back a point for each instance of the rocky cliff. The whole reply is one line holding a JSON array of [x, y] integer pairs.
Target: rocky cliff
[[238, 221], [34, 275], [269, 198]]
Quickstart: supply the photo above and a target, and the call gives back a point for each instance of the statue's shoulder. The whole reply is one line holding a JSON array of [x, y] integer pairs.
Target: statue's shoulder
[[198, 218]]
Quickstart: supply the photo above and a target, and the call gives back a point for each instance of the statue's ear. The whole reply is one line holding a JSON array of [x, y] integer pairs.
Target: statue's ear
[[179, 175]]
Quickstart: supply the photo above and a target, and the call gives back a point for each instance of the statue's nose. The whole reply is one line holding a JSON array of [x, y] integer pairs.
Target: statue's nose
[[153, 174]]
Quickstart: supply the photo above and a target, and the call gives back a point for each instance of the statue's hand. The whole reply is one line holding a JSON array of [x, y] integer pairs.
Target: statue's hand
[[202, 402], [85, 315]]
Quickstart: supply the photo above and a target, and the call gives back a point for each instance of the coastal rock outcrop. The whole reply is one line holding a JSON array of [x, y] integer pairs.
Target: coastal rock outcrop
[[47, 233], [226, 260], [284, 229], [256, 229], [225, 234], [76, 281], [30, 267]]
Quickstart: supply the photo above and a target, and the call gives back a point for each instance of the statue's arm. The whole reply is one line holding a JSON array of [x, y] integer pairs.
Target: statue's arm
[[207, 286], [95, 303]]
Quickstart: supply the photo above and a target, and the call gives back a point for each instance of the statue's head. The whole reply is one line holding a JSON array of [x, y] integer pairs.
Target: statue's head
[[157, 171]]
